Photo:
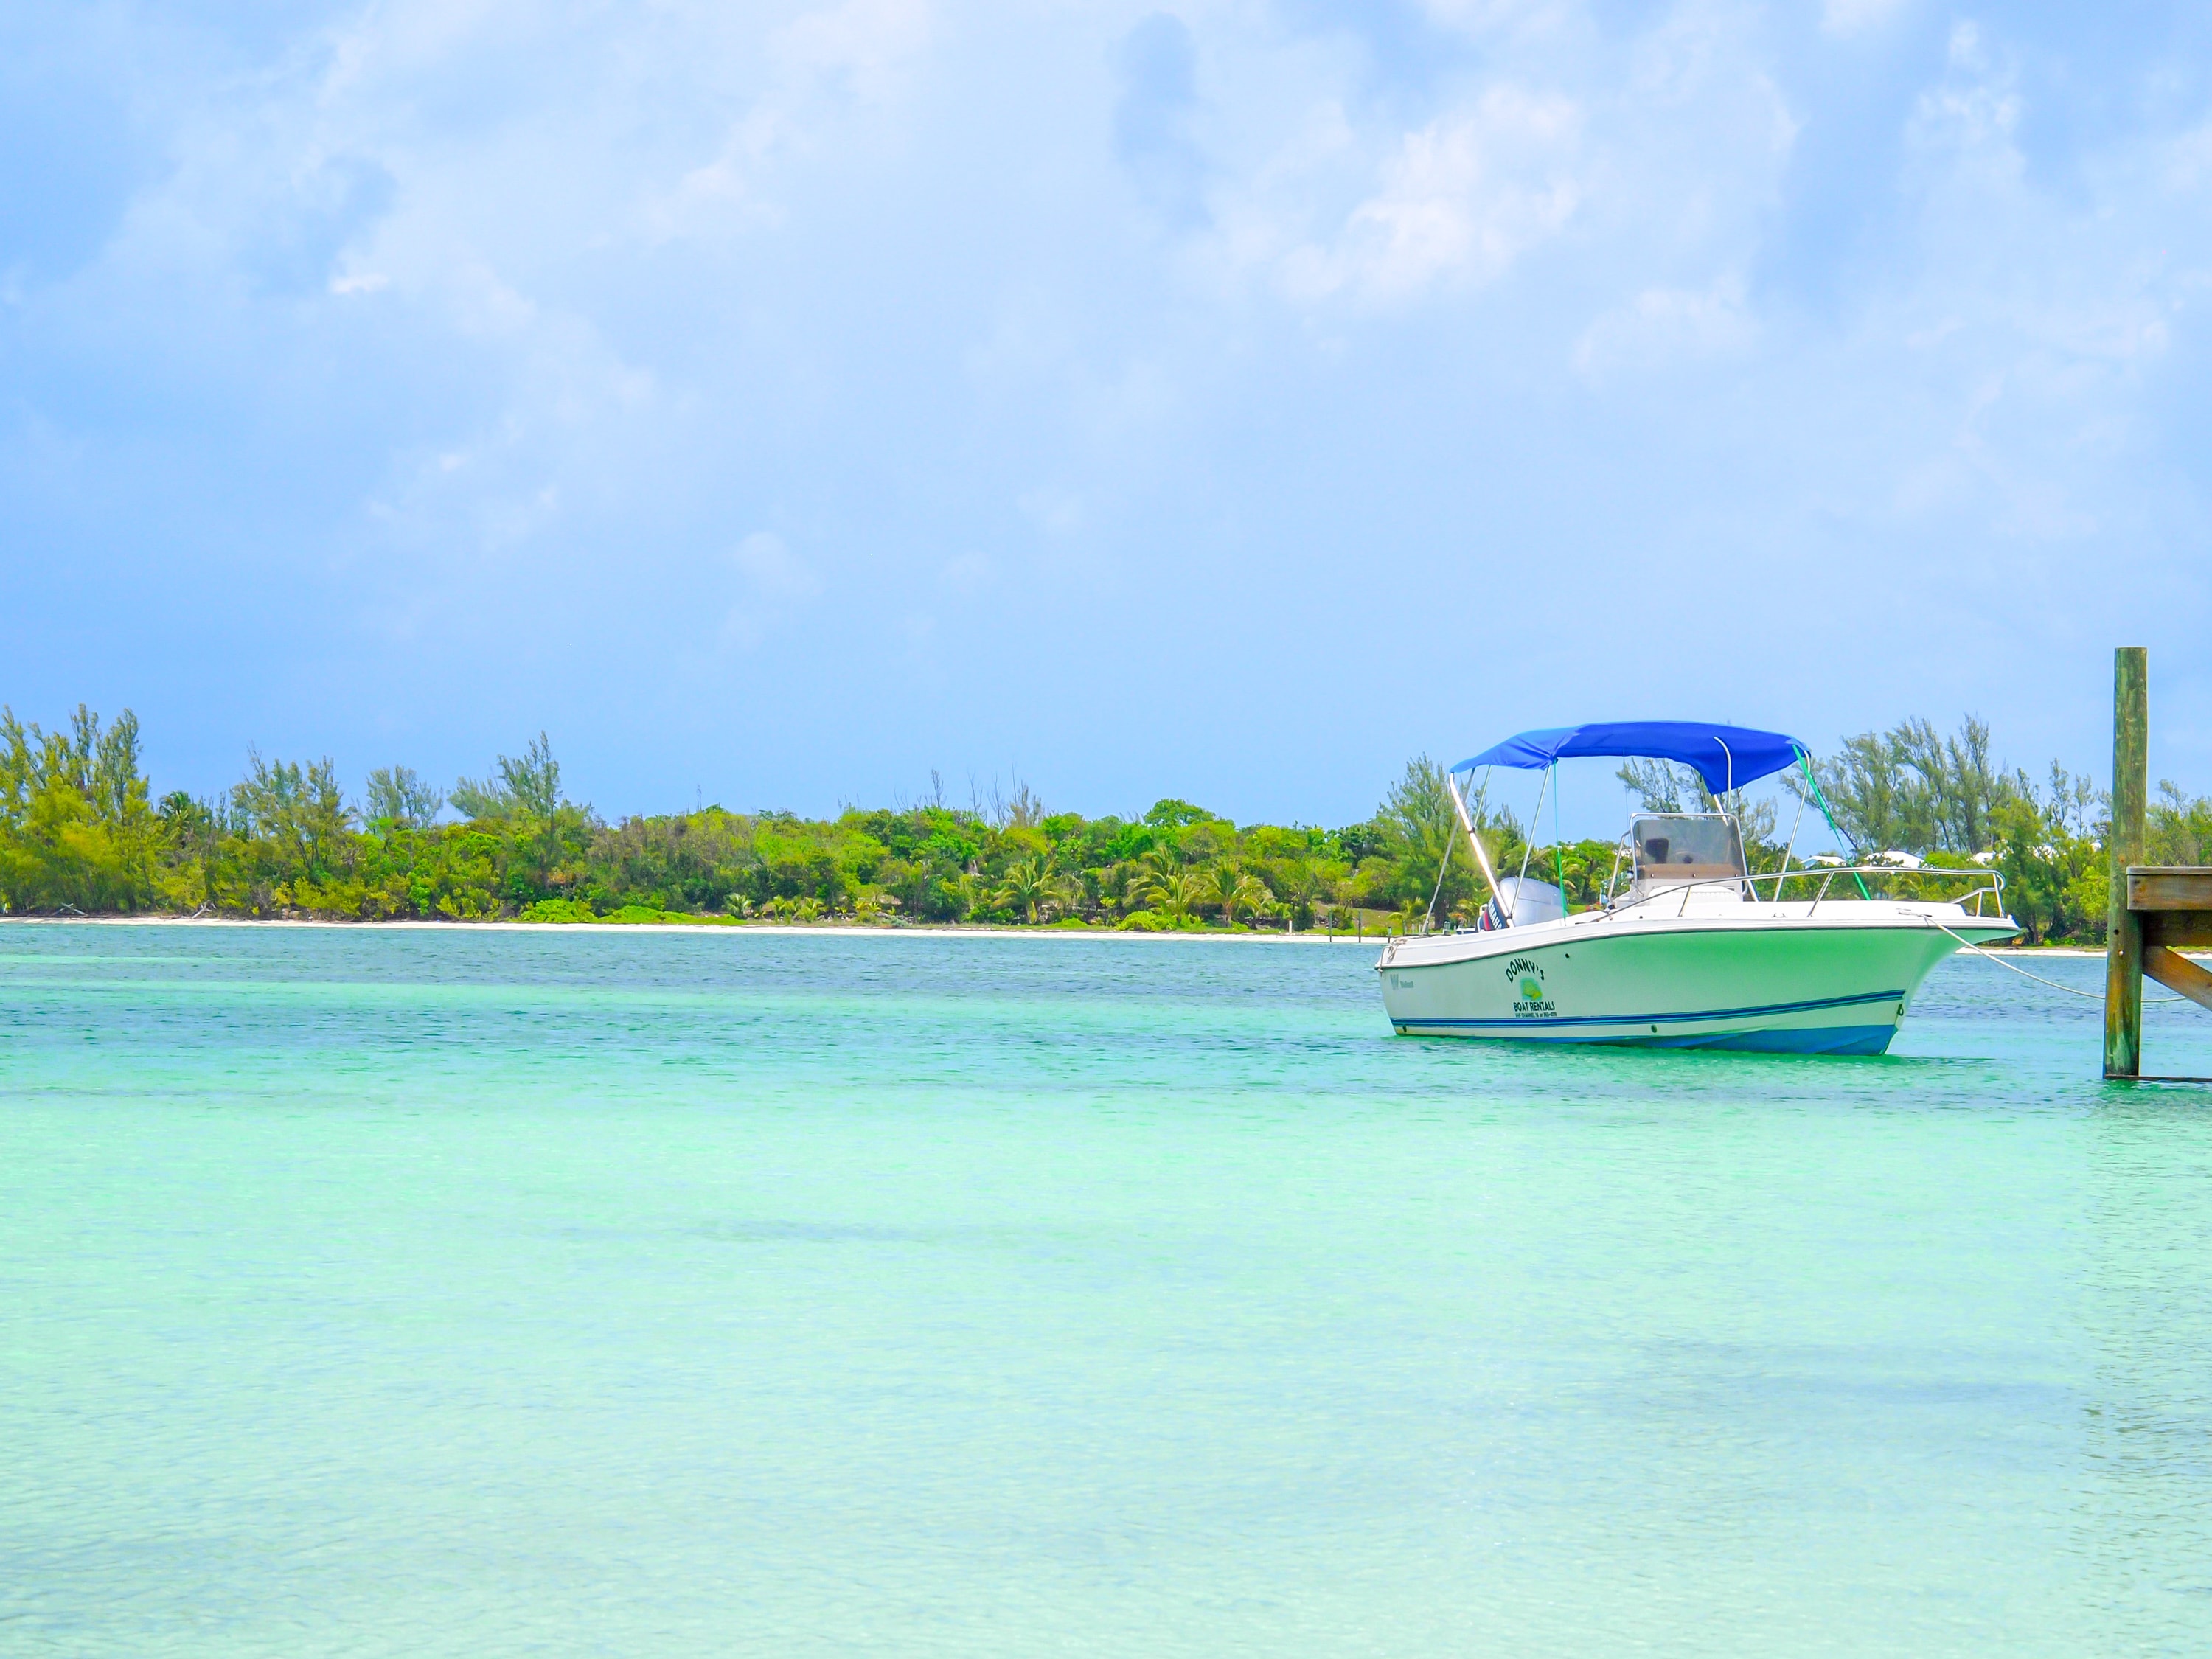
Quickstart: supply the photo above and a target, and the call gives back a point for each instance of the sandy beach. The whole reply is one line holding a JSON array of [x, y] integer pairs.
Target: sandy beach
[[912, 931]]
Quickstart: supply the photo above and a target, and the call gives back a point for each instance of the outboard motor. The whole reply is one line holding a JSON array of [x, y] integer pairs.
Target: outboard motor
[[1531, 901]]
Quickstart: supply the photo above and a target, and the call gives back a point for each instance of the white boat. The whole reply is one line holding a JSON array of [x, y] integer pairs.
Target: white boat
[[1685, 950]]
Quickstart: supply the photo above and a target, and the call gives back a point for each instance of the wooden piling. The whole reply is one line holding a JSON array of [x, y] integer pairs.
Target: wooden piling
[[2124, 949]]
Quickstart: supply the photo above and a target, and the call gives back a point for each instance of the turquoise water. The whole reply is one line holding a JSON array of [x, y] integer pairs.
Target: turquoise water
[[436, 1292]]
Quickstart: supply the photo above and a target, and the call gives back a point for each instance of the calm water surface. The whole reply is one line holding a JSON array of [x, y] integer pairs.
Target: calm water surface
[[460, 1292]]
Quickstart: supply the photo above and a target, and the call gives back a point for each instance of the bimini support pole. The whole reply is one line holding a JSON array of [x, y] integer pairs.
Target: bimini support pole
[[1795, 824], [1474, 841], [1536, 828]]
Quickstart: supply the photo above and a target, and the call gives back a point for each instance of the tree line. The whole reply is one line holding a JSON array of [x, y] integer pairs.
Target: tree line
[[1945, 799], [81, 833]]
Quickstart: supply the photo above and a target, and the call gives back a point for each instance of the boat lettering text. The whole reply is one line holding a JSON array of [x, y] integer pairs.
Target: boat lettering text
[[1530, 999]]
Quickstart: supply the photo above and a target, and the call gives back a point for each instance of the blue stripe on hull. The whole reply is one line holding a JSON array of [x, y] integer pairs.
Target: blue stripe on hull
[[1806, 1040], [1504, 1027]]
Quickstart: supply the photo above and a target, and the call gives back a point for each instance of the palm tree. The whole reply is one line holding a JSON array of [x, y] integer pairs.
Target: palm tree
[[969, 885], [1027, 884], [1174, 896], [1235, 889]]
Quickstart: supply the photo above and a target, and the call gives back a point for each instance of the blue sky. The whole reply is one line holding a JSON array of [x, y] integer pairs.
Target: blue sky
[[781, 402]]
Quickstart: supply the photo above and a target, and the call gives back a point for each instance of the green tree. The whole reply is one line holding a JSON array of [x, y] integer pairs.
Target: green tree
[[1304, 884], [1232, 889], [1070, 895], [2049, 854], [289, 846], [1175, 814], [544, 828], [1587, 867], [1421, 837], [1027, 884], [190, 841], [1157, 862], [2178, 827], [75, 831], [1912, 790], [1173, 897], [398, 798]]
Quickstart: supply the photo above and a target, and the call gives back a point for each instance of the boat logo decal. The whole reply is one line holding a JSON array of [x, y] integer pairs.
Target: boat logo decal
[[1530, 999]]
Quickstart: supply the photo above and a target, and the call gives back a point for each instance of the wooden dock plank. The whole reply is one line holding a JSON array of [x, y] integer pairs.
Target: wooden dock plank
[[2156, 887]]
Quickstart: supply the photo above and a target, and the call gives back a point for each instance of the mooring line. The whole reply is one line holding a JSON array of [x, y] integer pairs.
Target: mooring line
[[2070, 990]]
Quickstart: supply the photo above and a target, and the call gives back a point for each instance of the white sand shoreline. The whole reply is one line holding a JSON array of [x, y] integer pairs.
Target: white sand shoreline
[[846, 929], [842, 929]]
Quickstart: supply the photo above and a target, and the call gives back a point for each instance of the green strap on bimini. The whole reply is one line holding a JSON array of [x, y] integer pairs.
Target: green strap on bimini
[[1558, 846], [1821, 801]]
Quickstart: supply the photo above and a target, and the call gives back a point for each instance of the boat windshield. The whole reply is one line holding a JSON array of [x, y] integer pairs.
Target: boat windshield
[[1687, 846]]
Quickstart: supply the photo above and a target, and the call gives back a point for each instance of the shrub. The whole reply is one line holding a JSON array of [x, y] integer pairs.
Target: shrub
[[559, 910]]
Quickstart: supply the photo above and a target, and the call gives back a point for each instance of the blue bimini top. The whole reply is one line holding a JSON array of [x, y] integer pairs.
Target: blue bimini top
[[1726, 756]]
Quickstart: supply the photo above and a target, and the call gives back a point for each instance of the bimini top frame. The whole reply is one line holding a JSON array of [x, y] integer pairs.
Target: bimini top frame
[[1726, 756]]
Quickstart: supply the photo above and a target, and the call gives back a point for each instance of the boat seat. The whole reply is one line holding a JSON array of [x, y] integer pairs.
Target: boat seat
[[1658, 874]]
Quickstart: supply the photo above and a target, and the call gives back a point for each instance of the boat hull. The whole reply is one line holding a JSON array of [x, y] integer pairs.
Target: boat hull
[[1778, 985]]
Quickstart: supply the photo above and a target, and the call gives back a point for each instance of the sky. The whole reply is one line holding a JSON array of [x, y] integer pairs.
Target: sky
[[777, 403]]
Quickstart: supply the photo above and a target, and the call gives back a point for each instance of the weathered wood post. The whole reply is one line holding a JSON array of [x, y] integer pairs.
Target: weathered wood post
[[2123, 952]]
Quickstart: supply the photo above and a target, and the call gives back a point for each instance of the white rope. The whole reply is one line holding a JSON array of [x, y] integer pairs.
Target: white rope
[[2070, 990]]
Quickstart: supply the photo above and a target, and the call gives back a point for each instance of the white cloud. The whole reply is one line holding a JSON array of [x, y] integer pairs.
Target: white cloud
[[507, 298], [1459, 201], [729, 191], [831, 61], [1974, 112]]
